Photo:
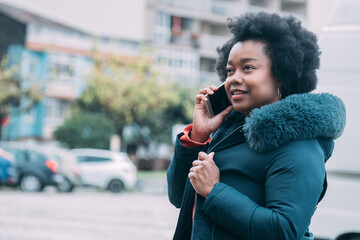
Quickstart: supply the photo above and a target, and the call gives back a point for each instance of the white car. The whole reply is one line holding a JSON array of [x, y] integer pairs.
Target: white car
[[106, 169]]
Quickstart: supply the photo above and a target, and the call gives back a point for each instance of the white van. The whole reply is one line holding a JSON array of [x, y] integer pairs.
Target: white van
[[338, 214]]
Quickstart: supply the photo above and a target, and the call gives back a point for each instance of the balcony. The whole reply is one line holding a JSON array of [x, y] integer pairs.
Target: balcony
[[209, 9], [61, 90], [209, 78], [214, 11], [184, 39], [208, 43]]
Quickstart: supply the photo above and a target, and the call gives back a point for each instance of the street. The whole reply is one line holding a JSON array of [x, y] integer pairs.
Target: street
[[146, 213], [85, 214]]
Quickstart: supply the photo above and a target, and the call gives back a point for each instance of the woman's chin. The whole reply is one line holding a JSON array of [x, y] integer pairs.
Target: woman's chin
[[242, 110]]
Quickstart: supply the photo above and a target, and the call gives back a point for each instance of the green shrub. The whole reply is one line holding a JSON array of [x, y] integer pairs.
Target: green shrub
[[85, 130]]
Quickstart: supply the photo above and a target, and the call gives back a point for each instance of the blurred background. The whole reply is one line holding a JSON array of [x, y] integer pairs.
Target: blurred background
[[94, 92]]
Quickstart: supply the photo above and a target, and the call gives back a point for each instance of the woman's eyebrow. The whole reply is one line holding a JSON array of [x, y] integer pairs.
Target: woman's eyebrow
[[244, 60]]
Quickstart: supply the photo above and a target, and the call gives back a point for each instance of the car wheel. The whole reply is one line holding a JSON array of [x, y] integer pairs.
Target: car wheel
[[349, 236], [65, 186], [30, 183], [116, 186], [354, 238]]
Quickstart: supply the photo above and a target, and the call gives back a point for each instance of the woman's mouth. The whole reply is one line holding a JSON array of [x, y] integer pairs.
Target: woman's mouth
[[237, 94]]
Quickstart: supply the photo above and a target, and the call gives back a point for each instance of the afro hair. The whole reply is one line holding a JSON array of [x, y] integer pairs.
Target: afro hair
[[293, 50]]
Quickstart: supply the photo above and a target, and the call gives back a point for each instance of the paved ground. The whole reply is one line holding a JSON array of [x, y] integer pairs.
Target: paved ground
[[86, 214], [144, 214]]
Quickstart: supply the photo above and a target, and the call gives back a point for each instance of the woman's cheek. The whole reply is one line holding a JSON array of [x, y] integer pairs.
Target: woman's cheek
[[227, 89]]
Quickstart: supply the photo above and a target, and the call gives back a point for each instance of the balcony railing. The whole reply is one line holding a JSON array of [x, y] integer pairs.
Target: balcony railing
[[211, 42], [218, 8], [61, 90], [208, 78], [221, 8]]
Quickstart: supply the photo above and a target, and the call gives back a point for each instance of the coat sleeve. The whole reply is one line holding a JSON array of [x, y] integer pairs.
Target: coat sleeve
[[177, 173], [294, 181]]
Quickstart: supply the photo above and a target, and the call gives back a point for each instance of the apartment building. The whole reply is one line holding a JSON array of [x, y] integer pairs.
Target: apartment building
[[186, 33]]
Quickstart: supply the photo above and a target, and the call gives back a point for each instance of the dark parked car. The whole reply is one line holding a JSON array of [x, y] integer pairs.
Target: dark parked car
[[36, 169], [68, 167]]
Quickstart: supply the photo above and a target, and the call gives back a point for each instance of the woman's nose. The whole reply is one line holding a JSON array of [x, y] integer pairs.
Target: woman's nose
[[236, 78]]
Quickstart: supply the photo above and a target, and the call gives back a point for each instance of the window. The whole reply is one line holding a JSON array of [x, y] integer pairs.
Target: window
[[181, 66], [89, 159], [162, 29], [35, 157], [55, 109], [18, 154], [61, 68], [81, 159]]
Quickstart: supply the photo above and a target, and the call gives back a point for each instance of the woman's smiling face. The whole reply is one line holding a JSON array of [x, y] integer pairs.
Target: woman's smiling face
[[250, 83]]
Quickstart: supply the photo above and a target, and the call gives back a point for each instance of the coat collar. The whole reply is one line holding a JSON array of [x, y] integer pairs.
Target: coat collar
[[297, 117]]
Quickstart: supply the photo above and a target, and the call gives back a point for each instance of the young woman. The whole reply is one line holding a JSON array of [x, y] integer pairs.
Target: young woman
[[257, 170]]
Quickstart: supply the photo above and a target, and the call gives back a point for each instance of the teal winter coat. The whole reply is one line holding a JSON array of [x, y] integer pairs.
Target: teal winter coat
[[272, 171]]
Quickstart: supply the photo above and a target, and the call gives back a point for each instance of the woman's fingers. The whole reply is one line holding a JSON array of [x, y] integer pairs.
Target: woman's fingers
[[202, 156], [204, 173], [206, 91], [200, 97], [196, 163], [213, 87], [194, 169], [209, 90]]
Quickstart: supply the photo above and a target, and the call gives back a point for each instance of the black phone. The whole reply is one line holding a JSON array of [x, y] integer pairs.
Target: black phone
[[218, 101]]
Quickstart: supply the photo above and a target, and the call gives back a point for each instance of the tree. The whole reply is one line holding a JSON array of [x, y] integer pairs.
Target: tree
[[85, 130], [15, 95], [180, 111], [129, 91]]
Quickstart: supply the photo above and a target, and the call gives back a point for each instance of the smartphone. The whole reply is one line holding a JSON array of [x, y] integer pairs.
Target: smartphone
[[217, 102]]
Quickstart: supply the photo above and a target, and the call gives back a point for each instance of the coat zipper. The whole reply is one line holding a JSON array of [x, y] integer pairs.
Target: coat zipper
[[193, 217], [236, 129], [213, 227]]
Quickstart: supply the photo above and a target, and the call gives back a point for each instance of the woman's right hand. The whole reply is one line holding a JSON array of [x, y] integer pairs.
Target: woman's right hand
[[203, 125]]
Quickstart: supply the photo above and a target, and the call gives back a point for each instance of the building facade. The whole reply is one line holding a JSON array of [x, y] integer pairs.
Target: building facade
[[56, 57], [57, 50]]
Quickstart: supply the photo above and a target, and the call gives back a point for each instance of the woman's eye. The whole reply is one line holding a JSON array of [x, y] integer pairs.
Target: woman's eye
[[246, 68], [229, 71]]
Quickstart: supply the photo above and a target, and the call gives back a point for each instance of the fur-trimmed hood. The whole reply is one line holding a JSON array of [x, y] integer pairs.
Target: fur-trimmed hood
[[297, 117]]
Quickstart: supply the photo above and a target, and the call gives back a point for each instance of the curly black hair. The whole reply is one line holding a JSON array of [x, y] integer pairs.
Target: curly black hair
[[293, 50]]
